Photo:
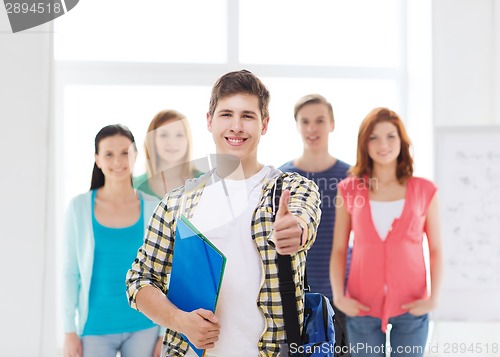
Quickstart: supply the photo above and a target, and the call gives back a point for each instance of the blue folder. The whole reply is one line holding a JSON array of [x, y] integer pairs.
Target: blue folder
[[197, 271]]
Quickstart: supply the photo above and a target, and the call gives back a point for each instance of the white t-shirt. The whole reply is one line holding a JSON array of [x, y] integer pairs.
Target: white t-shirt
[[224, 215], [384, 213]]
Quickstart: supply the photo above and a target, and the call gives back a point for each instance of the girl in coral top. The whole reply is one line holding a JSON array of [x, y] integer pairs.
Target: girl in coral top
[[388, 210]]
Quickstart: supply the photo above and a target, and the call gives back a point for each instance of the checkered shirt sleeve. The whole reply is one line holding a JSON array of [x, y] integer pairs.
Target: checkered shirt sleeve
[[304, 203]]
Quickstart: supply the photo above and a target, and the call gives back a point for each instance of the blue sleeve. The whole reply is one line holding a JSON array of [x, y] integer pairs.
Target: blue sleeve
[[70, 270]]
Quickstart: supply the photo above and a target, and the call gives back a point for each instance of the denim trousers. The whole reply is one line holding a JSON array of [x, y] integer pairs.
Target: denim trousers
[[131, 344], [408, 336]]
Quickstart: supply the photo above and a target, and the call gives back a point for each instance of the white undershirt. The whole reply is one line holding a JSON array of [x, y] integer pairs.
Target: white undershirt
[[226, 221], [383, 215]]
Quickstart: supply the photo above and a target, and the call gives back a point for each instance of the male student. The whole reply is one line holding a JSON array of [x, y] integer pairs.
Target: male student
[[249, 318], [315, 121]]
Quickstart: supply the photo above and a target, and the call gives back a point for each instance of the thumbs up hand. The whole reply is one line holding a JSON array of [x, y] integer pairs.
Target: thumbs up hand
[[287, 230]]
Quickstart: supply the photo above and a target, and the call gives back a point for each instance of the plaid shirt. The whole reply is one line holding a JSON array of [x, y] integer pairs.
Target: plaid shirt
[[154, 259]]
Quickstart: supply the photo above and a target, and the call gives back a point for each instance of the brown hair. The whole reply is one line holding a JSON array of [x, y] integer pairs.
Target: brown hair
[[364, 164], [164, 117], [240, 82], [312, 99]]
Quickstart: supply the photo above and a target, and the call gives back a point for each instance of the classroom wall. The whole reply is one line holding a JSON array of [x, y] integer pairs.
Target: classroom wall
[[466, 62], [25, 239], [466, 91]]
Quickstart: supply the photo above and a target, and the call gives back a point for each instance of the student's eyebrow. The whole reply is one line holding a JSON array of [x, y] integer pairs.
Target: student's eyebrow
[[248, 112], [224, 111]]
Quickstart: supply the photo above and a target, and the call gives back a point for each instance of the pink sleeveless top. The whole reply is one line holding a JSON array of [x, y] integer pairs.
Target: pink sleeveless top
[[387, 274]]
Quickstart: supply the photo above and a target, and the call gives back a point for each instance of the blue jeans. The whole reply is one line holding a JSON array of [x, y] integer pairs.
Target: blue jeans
[[408, 336], [131, 344]]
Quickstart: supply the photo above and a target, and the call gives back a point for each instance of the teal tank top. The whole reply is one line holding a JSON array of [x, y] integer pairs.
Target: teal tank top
[[114, 251]]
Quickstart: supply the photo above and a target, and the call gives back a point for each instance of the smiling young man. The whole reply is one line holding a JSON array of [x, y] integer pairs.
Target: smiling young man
[[233, 206], [315, 121]]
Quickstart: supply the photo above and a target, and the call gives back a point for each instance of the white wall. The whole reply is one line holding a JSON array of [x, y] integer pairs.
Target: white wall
[[466, 91], [25, 240], [466, 62]]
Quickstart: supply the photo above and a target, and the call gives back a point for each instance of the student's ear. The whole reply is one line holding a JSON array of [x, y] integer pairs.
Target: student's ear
[[209, 122], [96, 158], [265, 123], [332, 125]]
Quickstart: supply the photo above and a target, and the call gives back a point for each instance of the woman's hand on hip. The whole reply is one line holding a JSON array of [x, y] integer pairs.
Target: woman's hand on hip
[[419, 307]]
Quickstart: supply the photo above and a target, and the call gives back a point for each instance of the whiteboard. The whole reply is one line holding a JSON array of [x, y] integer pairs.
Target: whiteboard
[[468, 177]]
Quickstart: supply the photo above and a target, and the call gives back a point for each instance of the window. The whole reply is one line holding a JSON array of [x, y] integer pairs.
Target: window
[[355, 33], [143, 31]]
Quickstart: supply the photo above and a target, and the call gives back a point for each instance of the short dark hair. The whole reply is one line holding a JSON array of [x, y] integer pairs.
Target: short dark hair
[[240, 82], [312, 99]]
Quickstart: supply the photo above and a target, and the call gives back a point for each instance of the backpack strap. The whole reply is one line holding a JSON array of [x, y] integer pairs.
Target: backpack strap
[[286, 283]]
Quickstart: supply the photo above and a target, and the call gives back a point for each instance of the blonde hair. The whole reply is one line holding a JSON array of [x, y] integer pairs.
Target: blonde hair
[[161, 118], [312, 99]]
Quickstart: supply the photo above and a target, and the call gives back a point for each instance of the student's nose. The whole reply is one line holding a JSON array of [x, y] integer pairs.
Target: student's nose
[[383, 143], [236, 124]]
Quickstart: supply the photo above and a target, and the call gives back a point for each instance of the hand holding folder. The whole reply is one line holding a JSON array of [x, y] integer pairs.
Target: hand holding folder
[[197, 272]]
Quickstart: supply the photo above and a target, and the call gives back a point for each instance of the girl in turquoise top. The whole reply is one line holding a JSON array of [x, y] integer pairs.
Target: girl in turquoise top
[[104, 229], [168, 154]]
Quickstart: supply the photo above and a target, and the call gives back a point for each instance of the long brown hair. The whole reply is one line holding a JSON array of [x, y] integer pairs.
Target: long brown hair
[[97, 180], [364, 164], [152, 160]]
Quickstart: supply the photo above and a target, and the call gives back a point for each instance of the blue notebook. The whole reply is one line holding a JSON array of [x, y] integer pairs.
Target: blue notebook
[[197, 271]]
